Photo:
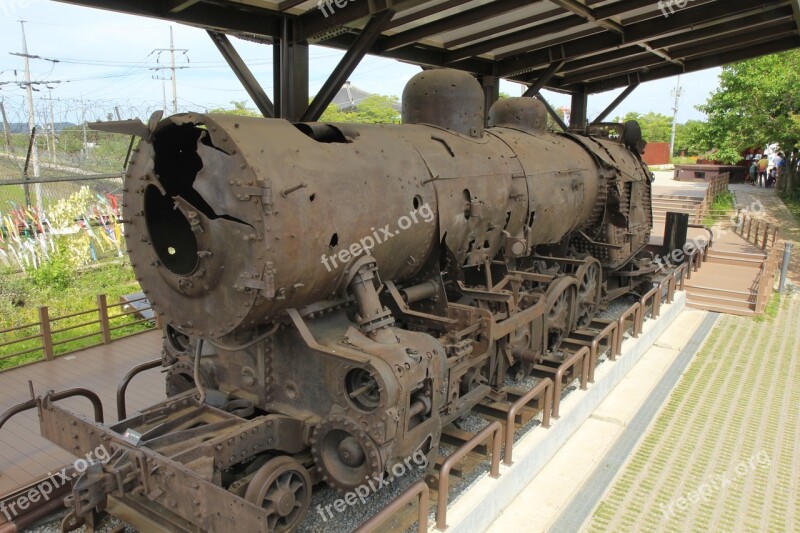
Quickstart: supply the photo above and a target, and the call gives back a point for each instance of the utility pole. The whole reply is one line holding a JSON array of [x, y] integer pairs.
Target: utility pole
[[85, 138], [31, 115], [172, 68], [6, 129], [52, 128], [677, 93]]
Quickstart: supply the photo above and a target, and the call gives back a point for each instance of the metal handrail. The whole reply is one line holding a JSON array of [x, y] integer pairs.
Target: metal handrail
[[123, 385], [418, 491], [543, 388], [493, 429], [580, 355]]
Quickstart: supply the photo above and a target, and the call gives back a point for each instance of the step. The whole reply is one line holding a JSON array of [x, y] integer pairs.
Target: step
[[661, 196], [719, 260], [708, 299], [674, 208], [748, 255], [700, 289], [667, 203], [720, 309]]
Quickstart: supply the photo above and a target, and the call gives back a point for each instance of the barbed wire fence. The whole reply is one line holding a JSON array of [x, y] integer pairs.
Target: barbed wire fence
[[79, 171]]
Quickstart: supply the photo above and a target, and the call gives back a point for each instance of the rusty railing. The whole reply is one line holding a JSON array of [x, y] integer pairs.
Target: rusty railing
[[581, 356], [494, 430], [543, 391], [608, 334], [418, 491]]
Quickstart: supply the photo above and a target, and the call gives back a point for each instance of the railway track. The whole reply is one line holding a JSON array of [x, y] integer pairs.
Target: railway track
[[467, 449]]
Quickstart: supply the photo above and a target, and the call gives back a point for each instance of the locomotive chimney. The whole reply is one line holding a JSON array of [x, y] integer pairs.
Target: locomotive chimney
[[526, 114], [449, 99]]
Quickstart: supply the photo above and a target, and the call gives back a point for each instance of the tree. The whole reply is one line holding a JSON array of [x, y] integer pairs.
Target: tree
[[757, 104], [239, 108], [374, 109], [655, 126], [692, 138]]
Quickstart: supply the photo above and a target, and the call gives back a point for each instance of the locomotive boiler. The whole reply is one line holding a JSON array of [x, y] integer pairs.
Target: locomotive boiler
[[340, 292]]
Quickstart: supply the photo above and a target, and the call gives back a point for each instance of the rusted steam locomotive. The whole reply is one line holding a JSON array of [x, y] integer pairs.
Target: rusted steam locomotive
[[338, 293]]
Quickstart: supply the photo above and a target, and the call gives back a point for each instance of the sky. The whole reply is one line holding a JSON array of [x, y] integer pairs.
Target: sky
[[108, 59]]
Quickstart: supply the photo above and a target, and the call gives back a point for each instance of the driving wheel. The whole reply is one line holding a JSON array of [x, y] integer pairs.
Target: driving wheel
[[559, 312], [282, 487], [589, 277]]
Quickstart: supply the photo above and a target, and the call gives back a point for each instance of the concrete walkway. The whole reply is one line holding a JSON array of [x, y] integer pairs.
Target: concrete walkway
[[722, 455]]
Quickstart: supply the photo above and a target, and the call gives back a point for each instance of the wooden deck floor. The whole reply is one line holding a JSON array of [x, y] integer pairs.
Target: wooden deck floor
[[24, 454]]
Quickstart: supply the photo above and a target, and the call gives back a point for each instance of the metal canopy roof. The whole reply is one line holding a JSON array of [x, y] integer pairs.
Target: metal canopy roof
[[573, 46]]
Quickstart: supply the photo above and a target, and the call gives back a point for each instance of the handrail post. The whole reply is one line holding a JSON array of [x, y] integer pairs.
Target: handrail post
[[418, 491], [766, 236], [543, 389], [44, 329], [123, 385], [102, 310], [492, 429]]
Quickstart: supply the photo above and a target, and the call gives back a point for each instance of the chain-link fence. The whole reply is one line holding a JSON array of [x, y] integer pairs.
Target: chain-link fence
[[62, 199], [79, 219]]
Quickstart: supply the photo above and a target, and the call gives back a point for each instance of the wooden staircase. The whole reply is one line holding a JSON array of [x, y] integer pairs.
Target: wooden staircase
[[728, 282], [662, 203]]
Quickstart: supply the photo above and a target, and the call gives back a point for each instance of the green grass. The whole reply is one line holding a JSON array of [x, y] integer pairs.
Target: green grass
[[771, 310], [720, 208], [677, 160], [794, 206], [21, 295]]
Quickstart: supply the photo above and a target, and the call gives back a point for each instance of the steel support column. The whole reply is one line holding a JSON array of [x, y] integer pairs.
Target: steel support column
[[291, 84], [244, 74], [491, 93], [618, 100], [377, 23], [577, 114], [542, 80]]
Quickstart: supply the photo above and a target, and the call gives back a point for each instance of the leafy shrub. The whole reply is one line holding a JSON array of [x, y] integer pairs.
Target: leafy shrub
[[56, 274]]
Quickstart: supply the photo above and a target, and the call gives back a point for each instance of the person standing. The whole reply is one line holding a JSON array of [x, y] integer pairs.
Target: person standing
[[763, 163], [752, 172], [780, 164]]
